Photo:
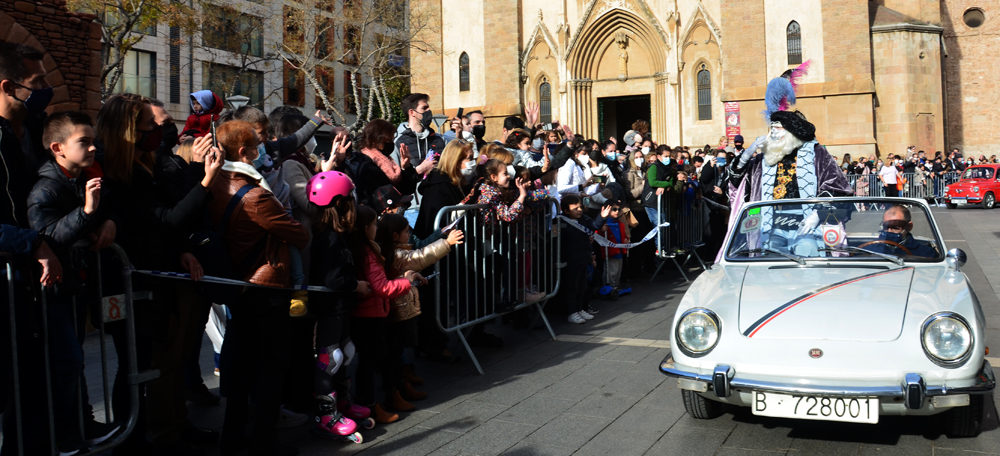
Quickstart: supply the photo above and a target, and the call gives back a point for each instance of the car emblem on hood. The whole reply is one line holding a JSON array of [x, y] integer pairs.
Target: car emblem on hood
[[815, 353]]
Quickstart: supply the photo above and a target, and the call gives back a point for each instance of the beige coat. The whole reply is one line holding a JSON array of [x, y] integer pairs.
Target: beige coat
[[408, 306]]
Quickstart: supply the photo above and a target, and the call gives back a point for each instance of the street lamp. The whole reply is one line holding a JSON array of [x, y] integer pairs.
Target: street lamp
[[238, 101]]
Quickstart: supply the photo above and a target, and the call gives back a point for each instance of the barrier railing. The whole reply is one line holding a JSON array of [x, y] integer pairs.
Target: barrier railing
[[683, 236], [913, 185], [104, 310], [501, 268]]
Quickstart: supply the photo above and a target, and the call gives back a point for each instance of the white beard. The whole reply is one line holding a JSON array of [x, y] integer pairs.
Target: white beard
[[775, 150]]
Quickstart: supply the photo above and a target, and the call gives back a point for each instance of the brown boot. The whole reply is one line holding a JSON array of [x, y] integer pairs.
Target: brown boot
[[382, 416], [397, 403], [410, 375], [411, 394]]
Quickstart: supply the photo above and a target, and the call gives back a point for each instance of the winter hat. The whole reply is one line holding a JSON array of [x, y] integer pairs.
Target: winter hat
[[795, 123], [630, 137], [738, 138]]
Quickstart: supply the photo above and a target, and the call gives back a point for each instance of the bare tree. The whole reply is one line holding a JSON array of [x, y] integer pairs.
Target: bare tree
[[124, 23], [366, 39], [235, 47]]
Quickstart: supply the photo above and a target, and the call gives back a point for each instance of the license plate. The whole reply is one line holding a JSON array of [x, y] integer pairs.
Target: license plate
[[958, 201], [806, 407]]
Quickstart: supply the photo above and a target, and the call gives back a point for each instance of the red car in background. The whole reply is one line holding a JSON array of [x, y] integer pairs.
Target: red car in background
[[979, 184]]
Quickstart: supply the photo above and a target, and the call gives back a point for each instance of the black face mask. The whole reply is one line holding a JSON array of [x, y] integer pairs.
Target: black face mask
[[479, 131], [388, 148], [425, 119], [170, 135]]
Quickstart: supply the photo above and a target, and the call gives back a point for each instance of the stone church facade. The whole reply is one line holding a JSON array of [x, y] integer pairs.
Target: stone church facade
[[884, 74]]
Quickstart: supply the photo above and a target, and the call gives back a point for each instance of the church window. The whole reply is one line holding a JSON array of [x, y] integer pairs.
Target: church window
[[704, 93], [463, 73], [794, 38], [974, 17], [545, 102]]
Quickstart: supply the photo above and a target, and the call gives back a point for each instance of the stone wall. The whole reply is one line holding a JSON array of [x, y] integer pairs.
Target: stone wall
[[847, 40], [742, 62], [425, 65], [908, 83], [971, 86], [72, 46]]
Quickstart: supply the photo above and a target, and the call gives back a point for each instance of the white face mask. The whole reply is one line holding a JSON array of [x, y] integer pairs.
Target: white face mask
[[311, 145], [510, 171], [645, 150], [583, 160], [469, 170], [638, 162], [537, 143]]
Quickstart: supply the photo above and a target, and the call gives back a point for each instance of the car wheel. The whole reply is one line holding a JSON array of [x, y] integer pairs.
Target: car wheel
[[951, 206], [966, 421], [699, 407], [989, 200]]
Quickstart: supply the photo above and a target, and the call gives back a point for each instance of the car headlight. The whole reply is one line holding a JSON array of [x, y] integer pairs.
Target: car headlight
[[975, 189], [947, 339], [697, 332]]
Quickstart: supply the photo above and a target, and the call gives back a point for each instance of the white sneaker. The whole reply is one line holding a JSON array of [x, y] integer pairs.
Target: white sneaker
[[576, 318], [290, 419], [585, 315]]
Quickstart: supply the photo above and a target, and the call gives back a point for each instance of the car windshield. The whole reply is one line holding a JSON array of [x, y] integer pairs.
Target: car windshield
[[836, 229], [978, 173]]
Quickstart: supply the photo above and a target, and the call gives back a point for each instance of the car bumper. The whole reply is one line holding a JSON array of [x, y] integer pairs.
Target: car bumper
[[968, 199], [912, 391]]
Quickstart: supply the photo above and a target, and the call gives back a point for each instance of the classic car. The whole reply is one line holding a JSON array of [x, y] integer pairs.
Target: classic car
[[979, 184], [840, 309]]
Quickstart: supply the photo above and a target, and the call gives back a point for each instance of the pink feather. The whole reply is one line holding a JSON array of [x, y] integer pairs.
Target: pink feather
[[798, 73]]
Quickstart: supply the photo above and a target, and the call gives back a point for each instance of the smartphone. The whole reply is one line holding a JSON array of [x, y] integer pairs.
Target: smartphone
[[461, 111], [599, 179], [547, 127], [215, 138]]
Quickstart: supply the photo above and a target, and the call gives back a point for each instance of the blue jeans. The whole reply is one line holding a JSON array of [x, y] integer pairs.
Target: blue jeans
[[653, 216], [296, 271]]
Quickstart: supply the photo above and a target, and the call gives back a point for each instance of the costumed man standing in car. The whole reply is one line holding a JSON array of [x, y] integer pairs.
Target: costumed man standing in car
[[786, 163]]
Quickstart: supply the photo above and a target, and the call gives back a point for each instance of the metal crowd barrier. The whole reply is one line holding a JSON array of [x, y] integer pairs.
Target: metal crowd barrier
[[913, 187], [683, 236], [117, 308], [499, 263]]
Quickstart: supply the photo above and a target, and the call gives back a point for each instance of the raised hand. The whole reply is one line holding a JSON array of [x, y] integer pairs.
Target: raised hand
[[322, 118], [341, 144], [93, 198], [200, 148], [213, 164], [531, 111], [455, 237], [605, 211], [404, 155]]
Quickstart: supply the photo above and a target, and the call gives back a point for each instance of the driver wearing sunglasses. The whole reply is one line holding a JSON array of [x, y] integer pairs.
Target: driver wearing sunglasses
[[895, 238]]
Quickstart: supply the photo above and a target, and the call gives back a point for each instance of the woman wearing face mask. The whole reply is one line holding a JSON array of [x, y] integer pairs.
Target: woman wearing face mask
[[634, 177], [376, 144], [571, 178], [149, 220], [447, 185]]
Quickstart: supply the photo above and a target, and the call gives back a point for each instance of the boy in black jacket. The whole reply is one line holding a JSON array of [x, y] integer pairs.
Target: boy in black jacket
[[577, 254], [63, 207]]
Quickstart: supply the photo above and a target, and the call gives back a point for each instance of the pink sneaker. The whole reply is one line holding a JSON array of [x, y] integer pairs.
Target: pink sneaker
[[356, 412]]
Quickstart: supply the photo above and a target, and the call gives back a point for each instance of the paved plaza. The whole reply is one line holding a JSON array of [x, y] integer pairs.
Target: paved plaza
[[597, 391]]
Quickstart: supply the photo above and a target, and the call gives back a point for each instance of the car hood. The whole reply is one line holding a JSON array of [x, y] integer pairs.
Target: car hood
[[818, 303]]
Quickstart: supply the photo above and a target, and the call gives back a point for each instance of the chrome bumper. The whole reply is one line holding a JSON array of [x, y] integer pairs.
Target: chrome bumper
[[723, 380]]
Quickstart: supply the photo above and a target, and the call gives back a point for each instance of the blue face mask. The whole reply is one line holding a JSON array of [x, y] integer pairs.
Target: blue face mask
[[37, 101], [612, 155], [721, 161], [665, 161], [263, 161], [893, 237]]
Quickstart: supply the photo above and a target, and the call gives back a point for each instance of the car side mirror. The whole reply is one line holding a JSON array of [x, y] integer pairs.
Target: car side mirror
[[956, 258]]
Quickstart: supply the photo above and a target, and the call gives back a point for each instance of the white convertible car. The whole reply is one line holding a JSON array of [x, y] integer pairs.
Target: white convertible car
[[834, 309]]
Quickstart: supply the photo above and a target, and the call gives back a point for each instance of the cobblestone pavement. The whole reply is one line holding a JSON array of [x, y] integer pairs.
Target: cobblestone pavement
[[596, 390]]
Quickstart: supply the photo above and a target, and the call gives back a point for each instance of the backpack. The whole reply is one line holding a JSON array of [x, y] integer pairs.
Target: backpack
[[210, 249]]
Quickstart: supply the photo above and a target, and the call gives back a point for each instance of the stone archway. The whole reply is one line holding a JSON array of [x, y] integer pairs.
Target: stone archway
[[71, 45], [617, 54]]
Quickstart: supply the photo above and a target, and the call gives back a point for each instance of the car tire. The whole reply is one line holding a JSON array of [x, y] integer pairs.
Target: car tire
[[989, 200], [966, 421], [699, 407], [951, 206]]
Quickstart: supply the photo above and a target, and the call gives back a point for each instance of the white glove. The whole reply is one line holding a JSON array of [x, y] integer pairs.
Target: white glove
[[808, 224], [749, 152]]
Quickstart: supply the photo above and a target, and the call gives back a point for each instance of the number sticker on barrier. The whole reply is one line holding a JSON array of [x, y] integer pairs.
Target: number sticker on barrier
[[113, 308]]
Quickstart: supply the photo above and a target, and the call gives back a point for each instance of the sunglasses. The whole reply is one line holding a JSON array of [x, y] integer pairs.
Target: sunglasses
[[895, 225]]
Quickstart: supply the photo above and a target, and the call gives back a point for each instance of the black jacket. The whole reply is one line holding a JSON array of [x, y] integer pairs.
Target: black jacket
[[368, 177], [715, 176], [576, 249], [437, 192], [55, 207], [333, 267]]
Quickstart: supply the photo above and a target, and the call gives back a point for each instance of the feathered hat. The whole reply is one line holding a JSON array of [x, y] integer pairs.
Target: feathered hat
[[780, 94]]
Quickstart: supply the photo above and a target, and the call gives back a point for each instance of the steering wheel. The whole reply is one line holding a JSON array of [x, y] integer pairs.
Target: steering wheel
[[883, 241]]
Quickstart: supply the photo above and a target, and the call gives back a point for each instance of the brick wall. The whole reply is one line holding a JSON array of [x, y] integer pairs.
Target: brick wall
[[72, 46], [908, 83], [971, 86], [924, 10], [743, 44], [425, 65], [846, 40], [502, 32]]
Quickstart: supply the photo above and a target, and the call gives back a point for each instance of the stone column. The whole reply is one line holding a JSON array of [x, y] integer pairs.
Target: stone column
[[659, 108]]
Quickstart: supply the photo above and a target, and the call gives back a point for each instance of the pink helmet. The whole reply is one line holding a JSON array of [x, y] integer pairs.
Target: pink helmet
[[326, 186]]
